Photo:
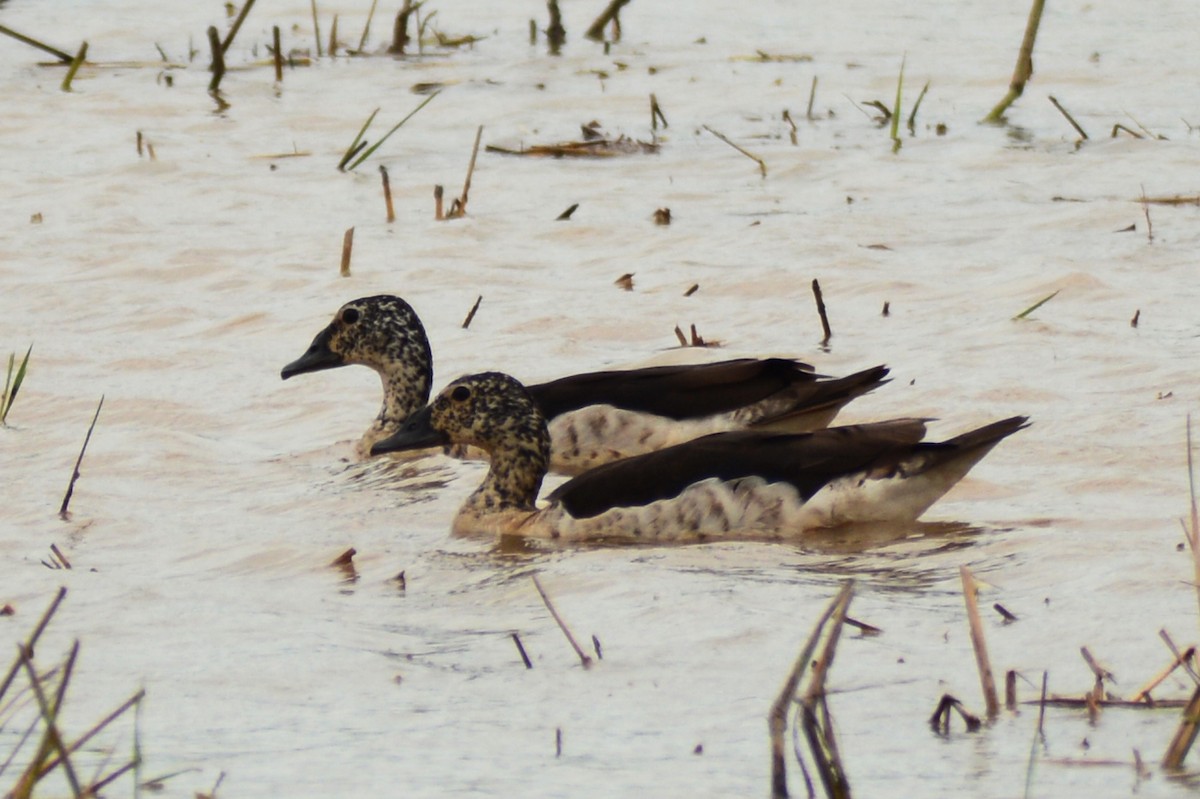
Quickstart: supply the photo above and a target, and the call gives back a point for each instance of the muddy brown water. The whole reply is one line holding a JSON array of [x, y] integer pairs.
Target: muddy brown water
[[213, 495]]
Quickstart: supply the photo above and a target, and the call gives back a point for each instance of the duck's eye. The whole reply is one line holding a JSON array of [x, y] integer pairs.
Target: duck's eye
[[460, 394], [350, 316]]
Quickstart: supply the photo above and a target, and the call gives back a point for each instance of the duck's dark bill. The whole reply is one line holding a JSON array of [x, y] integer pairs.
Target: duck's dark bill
[[417, 432], [318, 357]]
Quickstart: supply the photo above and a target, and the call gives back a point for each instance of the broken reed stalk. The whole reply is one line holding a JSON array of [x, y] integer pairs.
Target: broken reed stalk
[[596, 31], [31, 641], [52, 739], [438, 197], [1185, 735], [76, 62], [583, 658], [218, 59], [1071, 119], [278, 54], [565, 215], [66, 58], [362, 40], [1024, 69], [762, 165], [462, 200], [816, 289], [521, 649], [471, 314], [1179, 659], [333, 37], [556, 34], [387, 194], [817, 723], [347, 246], [316, 28], [777, 718], [400, 37], [979, 643], [812, 95], [62, 511], [385, 136], [237, 25]]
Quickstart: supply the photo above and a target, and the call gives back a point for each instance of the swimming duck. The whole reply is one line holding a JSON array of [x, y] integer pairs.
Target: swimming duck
[[598, 417], [743, 484]]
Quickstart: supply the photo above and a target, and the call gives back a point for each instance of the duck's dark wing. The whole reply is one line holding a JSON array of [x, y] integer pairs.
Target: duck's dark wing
[[813, 406], [677, 392], [806, 460]]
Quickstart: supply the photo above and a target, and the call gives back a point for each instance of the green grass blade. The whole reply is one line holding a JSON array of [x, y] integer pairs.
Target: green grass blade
[[11, 397], [1037, 305], [376, 145], [353, 148]]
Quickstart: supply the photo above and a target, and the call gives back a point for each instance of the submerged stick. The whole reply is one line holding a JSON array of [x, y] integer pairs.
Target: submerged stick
[[347, 246], [62, 511], [583, 658], [1024, 69], [762, 165], [75, 64], [816, 289], [387, 194], [237, 25], [979, 643], [596, 31], [54, 51]]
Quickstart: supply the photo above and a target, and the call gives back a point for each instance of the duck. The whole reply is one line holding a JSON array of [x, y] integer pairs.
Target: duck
[[745, 484], [597, 417]]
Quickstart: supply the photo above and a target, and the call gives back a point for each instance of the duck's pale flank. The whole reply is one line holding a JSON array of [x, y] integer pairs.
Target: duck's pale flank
[[744, 484], [598, 417]]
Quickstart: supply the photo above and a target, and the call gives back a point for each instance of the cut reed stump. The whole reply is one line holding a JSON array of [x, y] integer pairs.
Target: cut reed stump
[[610, 14], [347, 247], [218, 59], [1024, 69], [979, 643], [1185, 736], [816, 289]]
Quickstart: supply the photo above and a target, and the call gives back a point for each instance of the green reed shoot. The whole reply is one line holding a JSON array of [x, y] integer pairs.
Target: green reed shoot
[[1037, 305], [359, 144], [895, 132], [13, 384]]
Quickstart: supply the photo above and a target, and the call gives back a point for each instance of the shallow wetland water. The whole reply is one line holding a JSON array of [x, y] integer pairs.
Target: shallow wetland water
[[213, 496]]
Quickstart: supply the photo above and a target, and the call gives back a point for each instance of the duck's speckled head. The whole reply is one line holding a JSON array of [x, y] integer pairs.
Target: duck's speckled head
[[382, 332], [491, 411]]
